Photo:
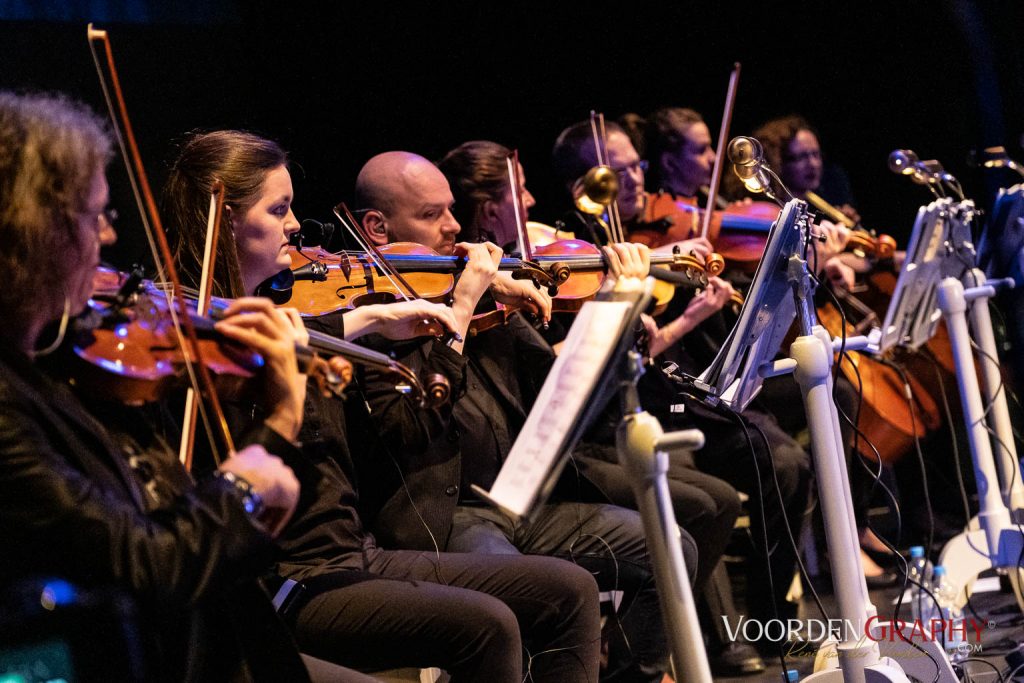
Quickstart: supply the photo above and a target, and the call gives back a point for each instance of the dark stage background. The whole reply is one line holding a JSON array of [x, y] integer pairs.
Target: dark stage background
[[340, 82]]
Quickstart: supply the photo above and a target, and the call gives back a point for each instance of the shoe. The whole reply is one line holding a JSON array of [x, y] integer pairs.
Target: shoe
[[737, 659], [883, 580]]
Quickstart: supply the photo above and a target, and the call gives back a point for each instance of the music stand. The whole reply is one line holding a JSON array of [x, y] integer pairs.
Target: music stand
[[765, 317], [913, 312], [582, 380], [596, 361], [938, 281]]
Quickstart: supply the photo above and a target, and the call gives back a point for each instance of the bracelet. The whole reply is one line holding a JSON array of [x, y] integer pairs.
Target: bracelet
[[251, 501]]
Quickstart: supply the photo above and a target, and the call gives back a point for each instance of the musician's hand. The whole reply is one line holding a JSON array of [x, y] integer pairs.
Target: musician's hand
[[850, 213], [481, 266], [332, 375], [627, 259], [841, 275], [699, 246], [834, 242], [271, 479], [701, 307], [272, 332], [899, 257], [710, 300], [401, 320], [521, 293]]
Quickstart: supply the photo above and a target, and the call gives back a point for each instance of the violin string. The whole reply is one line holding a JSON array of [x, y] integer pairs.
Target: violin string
[[371, 254]]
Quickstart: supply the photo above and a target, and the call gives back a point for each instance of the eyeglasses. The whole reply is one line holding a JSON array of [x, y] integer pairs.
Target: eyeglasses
[[96, 221], [640, 165]]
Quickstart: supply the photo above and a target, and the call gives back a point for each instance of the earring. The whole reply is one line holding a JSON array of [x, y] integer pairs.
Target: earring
[[61, 331]]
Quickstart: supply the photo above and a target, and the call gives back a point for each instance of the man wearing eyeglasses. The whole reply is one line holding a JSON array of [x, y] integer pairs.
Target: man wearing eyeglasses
[[575, 153]]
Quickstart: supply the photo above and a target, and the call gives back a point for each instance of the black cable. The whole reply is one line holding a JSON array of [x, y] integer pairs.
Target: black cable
[[764, 531], [789, 530], [878, 482], [920, 457], [985, 662], [1000, 389]]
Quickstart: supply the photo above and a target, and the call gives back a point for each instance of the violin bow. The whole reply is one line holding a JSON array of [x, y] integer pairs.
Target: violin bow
[[723, 135], [525, 249], [199, 375], [188, 424], [600, 134], [359, 234]]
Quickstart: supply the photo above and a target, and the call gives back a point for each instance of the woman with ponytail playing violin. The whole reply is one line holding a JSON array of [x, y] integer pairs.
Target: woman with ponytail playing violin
[[104, 507], [356, 603]]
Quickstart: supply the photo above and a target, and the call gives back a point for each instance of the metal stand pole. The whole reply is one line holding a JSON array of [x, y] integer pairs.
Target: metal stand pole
[[644, 450], [859, 657], [1004, 447], [998, 542]]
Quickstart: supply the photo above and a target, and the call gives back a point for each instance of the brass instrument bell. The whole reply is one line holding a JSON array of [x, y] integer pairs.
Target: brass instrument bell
[[596, 190]]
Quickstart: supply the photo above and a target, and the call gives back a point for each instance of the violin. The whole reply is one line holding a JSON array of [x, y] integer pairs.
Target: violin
[[739, 232], [571, 270], [132, 351], [862, 241]]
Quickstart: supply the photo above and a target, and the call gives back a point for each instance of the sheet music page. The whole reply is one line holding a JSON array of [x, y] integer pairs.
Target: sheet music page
[[573, 378]]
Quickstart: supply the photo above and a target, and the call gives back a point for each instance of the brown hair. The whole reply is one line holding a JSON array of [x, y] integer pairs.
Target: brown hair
[[574, 153], [51, 149], [775, 136], [241, 161], [666, 134], [477, 171]]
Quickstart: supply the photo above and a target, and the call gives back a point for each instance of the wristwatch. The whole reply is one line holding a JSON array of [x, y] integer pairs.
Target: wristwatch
[[251, 501]]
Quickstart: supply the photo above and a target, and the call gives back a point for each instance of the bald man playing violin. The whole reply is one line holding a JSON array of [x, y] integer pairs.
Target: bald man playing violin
[[402, 197]]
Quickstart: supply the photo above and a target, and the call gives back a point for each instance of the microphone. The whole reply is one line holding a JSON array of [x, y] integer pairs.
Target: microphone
[[998, 158], [278, 288], [929, 172], [748, 159], [312, 233], [903, 162]]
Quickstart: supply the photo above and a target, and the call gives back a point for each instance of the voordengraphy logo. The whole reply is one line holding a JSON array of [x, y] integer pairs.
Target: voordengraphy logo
[[949, 631]]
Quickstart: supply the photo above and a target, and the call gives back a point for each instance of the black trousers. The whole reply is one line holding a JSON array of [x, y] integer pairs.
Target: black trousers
[[609, 541], [754, 467], [705, 506], [462, 613]]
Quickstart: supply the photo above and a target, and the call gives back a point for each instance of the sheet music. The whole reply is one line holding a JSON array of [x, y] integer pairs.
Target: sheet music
[[574, 376]]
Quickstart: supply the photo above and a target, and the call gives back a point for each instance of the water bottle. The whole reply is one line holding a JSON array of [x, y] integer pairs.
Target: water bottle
[[952, 617], [920, 570]]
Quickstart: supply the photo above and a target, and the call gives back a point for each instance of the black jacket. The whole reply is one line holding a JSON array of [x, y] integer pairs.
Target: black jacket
[[74, 507]]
